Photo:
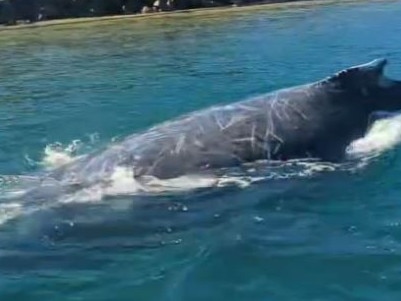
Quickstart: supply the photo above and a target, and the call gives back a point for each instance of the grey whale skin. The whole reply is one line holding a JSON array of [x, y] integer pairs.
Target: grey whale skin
[[316, 120]]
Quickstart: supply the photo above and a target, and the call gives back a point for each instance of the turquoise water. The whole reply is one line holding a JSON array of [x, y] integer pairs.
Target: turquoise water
[[334, 236]]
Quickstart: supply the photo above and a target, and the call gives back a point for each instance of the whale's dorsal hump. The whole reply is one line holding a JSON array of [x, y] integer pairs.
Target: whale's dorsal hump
[[364, 75], [376, 65]]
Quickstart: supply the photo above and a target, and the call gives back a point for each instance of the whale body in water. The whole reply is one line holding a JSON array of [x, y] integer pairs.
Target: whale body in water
[[314, 120]]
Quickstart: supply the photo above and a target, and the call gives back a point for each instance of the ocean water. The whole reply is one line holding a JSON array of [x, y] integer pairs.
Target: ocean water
[[305, 232]]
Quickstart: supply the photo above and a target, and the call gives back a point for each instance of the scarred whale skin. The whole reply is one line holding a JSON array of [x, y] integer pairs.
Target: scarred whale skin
[[317, 120]]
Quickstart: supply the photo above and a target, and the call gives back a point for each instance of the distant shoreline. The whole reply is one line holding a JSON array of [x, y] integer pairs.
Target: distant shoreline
[[197, 11]]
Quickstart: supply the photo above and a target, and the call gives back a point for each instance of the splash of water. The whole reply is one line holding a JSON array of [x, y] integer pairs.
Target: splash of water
[[55, 155], [383, 135]]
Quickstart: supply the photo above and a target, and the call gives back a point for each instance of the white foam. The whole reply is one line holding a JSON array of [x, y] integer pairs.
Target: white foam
[[384, 134], [9, 211], [122, 182], [55, 155]]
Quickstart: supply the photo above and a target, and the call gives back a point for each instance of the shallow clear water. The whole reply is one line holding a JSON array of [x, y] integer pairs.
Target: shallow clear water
[[334, 236]]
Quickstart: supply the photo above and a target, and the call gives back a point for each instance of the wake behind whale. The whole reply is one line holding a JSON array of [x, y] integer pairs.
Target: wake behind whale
[[288, 133]]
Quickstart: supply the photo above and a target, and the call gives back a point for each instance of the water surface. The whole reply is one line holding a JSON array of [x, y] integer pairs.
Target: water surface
[[334, 236]]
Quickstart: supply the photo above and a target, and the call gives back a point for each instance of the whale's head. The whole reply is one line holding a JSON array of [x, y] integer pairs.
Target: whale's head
[[368, 83]]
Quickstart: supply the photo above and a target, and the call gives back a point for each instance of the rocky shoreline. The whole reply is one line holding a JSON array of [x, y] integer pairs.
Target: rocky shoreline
[[16, 12]]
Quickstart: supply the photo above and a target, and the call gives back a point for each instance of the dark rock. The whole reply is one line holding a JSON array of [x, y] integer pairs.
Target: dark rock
[[20, 11], [146, 10], [103, 8], [7, 13], [133, 6], [50, 11], [26, 10]]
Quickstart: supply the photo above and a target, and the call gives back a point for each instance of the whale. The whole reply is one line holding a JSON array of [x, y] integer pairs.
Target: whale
[[313, 120]]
